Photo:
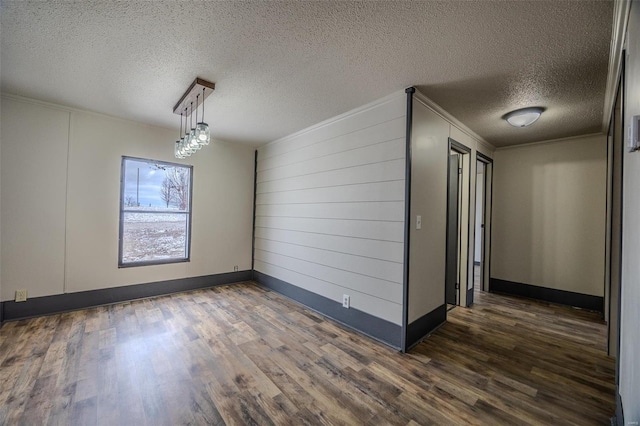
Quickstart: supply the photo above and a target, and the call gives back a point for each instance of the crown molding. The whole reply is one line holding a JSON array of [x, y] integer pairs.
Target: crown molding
[[567, 139], [618, 34], [452, 120]]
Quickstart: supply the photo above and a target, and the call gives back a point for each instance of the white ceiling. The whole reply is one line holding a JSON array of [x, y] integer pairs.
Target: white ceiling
[[282, 66]]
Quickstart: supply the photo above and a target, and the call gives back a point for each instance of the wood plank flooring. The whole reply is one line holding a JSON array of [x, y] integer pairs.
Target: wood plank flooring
[[243, 355]]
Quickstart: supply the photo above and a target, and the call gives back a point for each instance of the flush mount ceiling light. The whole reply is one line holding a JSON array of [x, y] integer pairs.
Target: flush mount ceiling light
[[523, 117], [200, 135]]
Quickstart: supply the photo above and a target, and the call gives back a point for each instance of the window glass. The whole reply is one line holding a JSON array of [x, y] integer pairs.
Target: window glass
[[155, 212]]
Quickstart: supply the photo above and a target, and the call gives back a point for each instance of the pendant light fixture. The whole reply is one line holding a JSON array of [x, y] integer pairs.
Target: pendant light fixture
[[200, 135]]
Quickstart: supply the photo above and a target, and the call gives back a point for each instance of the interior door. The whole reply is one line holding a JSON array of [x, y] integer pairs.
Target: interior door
[[452, 232]]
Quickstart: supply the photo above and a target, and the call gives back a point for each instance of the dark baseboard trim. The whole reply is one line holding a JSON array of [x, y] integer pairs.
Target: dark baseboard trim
[[47, 305], [377, 328], [425, 325], [619, 419], [562, 297]]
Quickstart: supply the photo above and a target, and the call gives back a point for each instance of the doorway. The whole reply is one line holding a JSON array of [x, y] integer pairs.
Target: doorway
[[456, 276], [482, 232]]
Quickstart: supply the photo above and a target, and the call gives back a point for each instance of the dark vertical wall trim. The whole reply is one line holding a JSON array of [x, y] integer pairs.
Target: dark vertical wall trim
[[619, 410], [619, 283], [407, 220], [255, 187]]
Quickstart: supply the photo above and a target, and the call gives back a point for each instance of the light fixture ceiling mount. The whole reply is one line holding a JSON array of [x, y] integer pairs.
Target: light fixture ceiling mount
[[523, 117]]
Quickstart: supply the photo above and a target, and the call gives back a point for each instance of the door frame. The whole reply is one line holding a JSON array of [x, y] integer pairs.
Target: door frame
[[465, 151], [487, 194]]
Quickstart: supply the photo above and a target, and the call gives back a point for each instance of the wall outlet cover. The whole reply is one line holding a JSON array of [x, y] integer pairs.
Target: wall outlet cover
[[21, 295], [346, 301]]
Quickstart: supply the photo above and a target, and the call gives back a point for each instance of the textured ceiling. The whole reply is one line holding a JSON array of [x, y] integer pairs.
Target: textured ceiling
[[282, 66]]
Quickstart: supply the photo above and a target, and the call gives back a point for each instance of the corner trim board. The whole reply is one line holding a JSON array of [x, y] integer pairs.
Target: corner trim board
[[407, 219], [374, 327], [562, 297], [255, 189], [58, 303], [425, 325]]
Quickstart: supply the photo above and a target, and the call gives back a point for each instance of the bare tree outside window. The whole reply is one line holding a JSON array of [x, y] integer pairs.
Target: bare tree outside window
[[155, 214]]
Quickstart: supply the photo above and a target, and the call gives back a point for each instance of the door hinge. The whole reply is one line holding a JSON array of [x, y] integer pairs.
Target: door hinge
[[459, 171], [457, 286]]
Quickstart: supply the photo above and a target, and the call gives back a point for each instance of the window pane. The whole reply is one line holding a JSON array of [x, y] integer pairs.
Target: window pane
[[156, 212], [150, 236], [151, 186]]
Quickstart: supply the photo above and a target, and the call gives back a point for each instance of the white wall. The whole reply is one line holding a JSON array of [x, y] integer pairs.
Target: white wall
[[60, 200], [33, 194], [430, 152], [549, 214], [630, 291], [330, 208], [427, 259]]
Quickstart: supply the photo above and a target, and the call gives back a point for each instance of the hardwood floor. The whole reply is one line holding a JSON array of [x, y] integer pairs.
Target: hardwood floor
[[243, 355]]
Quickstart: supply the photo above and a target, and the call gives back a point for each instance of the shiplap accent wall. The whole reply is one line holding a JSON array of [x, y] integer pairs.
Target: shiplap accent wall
[[330, 208]]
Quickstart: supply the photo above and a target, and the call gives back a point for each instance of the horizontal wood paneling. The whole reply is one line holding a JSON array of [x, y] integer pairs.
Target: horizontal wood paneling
[[390, 271], [373, 230], [386, 210], [385, 309], [377, 172], [383, 132], [330, 209], [384, 250], [376, 114], [377, 191], [365, 284], [371, 154]]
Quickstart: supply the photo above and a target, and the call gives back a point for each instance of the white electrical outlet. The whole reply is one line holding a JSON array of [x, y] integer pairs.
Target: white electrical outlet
[[346, 300], [418, 222], [21, 295], [235, 268]]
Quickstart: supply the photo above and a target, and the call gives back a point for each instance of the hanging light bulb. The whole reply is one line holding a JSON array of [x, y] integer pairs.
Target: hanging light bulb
[[193, 140], [178, 150], [186, 141], [185, 147], [202, 129]]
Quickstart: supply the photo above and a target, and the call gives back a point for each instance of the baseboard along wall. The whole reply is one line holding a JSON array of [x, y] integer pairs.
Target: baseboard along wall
[[377, 328], [562, 297], [58, 303]]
